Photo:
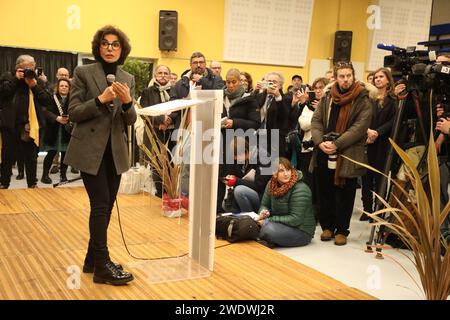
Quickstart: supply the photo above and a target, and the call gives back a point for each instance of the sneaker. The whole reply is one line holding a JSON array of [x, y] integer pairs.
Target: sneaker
[[340, 240], [327, 235]]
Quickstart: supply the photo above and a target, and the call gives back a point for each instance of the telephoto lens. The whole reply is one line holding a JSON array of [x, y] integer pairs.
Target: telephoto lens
[[332, 161]]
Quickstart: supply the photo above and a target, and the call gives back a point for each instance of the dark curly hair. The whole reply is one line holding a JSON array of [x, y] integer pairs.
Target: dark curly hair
[[123, 39]]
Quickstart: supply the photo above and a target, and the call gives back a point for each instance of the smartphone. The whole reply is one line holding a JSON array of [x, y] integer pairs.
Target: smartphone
[[312, 95], [266, 84], [40, 70]]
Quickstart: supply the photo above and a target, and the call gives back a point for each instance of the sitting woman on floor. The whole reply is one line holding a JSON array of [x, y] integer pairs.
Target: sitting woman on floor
[[286, 215]]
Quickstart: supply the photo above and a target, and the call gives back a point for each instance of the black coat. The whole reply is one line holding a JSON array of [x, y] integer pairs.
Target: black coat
[[277, 118], [245, 113], [149, 97], [51, 112], [382, 121], [14, 101], [181, 90]]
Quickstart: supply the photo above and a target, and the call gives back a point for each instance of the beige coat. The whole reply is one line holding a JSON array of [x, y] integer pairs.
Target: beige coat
[[93, 125], [352, 143]]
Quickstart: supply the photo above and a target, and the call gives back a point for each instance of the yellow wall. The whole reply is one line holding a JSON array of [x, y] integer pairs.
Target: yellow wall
[[200, 28]]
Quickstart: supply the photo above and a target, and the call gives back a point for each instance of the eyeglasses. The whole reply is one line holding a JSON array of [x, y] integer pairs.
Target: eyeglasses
[[115, 45]]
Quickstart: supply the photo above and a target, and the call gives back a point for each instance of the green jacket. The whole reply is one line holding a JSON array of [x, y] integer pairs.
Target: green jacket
[[294, 209]]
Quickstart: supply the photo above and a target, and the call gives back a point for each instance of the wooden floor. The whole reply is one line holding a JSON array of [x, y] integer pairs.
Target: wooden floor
[[44, 233]]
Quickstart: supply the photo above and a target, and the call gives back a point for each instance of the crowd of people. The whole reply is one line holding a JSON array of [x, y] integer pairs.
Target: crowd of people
[[307, 132]]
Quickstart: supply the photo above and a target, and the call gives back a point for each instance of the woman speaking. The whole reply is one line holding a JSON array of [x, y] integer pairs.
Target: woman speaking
[[100, 108]]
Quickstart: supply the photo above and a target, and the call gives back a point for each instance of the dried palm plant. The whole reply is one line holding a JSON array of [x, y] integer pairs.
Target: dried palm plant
[[166, 164], [421, 212]]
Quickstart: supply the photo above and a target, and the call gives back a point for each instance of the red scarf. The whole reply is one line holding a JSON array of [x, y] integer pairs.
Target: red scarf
[[345, 100]]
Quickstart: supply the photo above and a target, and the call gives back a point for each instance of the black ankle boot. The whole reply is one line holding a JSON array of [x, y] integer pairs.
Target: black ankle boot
[[20, 176], [46, 179], [109, 274], [63, 177], [89, 267]]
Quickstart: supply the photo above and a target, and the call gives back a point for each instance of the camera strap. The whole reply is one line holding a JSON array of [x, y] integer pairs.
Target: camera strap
[[58, 104]]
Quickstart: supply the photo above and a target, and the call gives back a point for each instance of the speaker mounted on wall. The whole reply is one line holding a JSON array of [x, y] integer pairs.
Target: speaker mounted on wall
[[342, 46], [168, 30]]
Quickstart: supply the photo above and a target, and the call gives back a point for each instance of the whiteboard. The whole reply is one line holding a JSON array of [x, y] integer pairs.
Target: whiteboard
[[404, 23], [272, 32]]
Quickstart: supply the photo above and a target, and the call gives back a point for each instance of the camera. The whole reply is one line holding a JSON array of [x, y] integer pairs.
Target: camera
[[29, 73], [332, 158], [331, 136], [308, 144]]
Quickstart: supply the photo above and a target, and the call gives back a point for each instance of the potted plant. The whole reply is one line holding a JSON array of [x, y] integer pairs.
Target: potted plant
[[422, 214], [167, 165]]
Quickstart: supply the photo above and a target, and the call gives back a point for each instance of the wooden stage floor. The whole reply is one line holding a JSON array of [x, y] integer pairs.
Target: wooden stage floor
[[44, 234]]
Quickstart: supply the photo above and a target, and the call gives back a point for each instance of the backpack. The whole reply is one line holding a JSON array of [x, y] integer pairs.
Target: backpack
[[235, 229]]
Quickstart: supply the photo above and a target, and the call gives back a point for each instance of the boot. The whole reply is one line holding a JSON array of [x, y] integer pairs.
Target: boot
[[110, 274], [45, 178], [63, 177]]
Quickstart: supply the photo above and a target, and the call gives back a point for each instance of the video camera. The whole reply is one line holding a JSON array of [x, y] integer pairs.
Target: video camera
[[407, 64], [437, 77]]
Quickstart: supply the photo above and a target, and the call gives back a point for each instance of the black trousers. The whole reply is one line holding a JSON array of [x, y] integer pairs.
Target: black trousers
[[370, 182], [102, 191], [12, 146], [48, 160], [335, 203]]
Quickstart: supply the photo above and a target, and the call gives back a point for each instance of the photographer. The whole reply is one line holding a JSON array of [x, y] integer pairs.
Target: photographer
[[442, 148], [245, 179], [342, 117], [22, 98]]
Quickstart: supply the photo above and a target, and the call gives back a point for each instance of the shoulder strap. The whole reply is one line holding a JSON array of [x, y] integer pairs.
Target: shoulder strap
[[58, 104]]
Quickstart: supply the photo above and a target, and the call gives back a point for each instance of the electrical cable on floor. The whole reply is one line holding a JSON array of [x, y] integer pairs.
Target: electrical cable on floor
[[150, 259]]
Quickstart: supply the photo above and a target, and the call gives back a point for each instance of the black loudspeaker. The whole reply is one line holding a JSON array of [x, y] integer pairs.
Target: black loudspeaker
[[168, 30], [342, 46]]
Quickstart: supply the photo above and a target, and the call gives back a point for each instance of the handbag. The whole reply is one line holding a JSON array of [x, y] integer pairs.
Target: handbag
[[235, 229]]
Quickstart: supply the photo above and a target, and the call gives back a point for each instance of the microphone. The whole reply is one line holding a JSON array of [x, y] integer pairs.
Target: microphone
[[387, 47], [110, 78]]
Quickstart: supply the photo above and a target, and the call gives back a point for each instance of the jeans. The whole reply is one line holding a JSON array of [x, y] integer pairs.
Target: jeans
[[283, 235], [245, 200]]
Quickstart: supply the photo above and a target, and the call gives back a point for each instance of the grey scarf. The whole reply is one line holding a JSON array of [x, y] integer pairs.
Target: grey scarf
[[163, 90]]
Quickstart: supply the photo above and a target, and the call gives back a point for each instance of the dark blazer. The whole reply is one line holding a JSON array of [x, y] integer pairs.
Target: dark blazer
[[244, 113], [14, 101], [52, 127], [277, 118], [382, 121], [94, 126]]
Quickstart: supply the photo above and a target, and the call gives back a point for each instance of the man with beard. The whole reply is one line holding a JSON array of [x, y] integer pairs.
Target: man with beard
[[338, 127]]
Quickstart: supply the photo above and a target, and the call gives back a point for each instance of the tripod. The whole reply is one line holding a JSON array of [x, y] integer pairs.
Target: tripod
[[384, 190]]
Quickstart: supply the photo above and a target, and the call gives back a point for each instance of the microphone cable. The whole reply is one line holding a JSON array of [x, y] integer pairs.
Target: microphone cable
[[150, 259]]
